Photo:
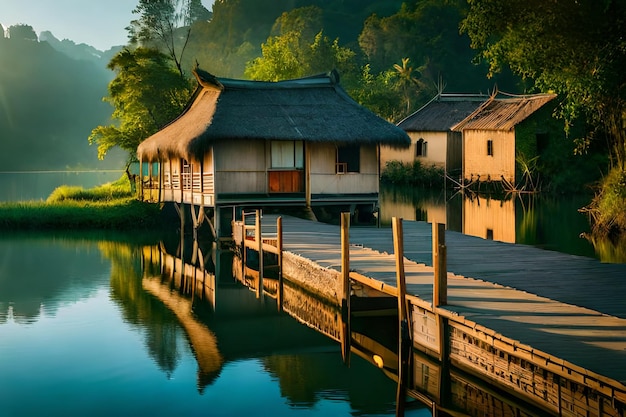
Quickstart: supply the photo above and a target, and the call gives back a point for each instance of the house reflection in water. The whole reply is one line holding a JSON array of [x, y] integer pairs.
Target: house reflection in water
[[473, 215], [489, 218]]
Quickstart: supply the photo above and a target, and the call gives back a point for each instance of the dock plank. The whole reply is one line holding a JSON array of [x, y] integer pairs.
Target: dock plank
[[565, 305]]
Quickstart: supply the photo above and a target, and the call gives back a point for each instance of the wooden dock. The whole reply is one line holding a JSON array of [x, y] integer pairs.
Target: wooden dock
[[550, 326]]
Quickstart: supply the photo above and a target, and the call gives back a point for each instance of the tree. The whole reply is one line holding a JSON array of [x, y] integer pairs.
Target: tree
[[299, 49], [166, 25], [22, 31], [576, 48], [427, 32], [406, 80], [147, 93]]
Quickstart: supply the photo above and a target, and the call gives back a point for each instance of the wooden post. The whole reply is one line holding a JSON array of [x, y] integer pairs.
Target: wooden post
[[398, 246], [259, 242], [279, 247], [159, 194], [307, 174], [440, 290], [345, 275], [404, 335], [243, 246], [141, 197]]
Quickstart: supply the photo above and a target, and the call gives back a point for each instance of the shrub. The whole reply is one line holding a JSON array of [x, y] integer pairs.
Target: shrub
[[415, 174], [608, 208]]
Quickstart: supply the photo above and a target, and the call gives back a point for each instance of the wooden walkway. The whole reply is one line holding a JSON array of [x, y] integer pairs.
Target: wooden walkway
[[568, 306]]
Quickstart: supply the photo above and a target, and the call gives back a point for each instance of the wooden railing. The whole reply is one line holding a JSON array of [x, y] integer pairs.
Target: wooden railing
[[195, 183]]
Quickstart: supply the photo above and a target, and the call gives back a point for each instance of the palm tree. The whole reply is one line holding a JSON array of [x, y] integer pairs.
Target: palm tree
[[406, 80]]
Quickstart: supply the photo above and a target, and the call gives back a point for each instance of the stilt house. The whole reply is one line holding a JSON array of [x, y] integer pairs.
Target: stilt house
[[433, 142], [498, 131], [239, 144]]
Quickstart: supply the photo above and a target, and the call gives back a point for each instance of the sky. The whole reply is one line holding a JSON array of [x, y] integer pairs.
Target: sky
[[99, 23]]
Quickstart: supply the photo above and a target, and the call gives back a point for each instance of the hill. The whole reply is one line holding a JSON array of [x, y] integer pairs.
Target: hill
[[49, 104]]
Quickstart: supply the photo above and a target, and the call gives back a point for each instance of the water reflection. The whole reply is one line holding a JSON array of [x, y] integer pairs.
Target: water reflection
[[547, 222], [26, 286], [126, 336]]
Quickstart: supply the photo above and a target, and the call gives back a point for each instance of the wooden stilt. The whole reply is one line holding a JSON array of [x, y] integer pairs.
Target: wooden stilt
[[345, 301], [279, 247], [440, 289], [259, 242], [404, 337]]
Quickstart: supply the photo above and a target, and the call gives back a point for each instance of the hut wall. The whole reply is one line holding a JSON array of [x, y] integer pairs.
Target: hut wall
[[240, 166], [477, 161], [325, 180], [454, 153], [489, 219], [436, 148]]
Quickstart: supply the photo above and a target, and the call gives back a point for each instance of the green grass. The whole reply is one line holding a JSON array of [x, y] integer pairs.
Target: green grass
[[109, 206]]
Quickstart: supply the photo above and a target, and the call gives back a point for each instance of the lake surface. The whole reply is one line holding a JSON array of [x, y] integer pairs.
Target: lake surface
[[37, 185], [83, 331], [544, 221]]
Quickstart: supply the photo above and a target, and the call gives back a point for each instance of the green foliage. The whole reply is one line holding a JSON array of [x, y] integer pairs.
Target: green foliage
[[166, 25], [608, 208], [300, 49], [575, 48], [377, 92], [147, 93], [427, 32], [414, 174]]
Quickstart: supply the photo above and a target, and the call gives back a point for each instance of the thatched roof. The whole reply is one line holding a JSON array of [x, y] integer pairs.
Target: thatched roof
[[442, 112], [313, 109], [503, 113]]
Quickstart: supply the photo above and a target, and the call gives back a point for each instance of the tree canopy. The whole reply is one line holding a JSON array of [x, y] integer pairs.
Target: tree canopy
[[147, 93], [300, 48], [166, 25]]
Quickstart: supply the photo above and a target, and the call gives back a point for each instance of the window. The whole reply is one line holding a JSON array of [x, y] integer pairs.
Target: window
[[490, 147], [287, 154], [420, 147], [348, 159]]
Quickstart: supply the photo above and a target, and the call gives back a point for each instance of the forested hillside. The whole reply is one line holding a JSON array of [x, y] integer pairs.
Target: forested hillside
[[48, 105], [392, 58]]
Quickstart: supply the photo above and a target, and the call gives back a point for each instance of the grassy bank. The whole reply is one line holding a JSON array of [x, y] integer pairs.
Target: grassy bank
[[607, 211], [111, 206]]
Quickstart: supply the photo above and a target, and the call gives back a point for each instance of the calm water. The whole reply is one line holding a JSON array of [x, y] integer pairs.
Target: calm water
[[547, 222], [37, 185], [84, 332]]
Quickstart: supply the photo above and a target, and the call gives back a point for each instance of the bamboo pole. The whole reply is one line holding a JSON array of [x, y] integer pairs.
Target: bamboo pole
[[345, 275]]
